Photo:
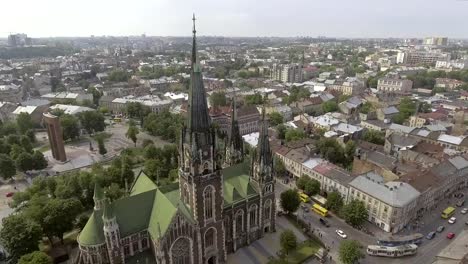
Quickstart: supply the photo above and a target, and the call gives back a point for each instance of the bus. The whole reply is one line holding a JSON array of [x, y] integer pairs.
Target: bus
[[304, 197], [392, 252], [448, 212], [393, 241], [319, 199], [319, 210]]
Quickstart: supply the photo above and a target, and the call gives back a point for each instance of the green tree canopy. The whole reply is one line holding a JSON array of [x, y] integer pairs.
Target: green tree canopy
[[288, 241], [329, 106], [24, 122], [218, 99], [275, 118], [60, 216], [70, 126], [312, 187], [132, 133], [24, 162], [7, 165], [374, 136], [355, 213], [19, 235], [293, 134], [290, 201], [350, 252], [92, 121], [334, 201], [36, 257]]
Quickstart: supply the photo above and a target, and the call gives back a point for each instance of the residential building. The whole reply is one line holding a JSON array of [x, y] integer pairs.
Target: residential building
[[66, 96], [452, 64], [391, 205], [447, 84], [333, 179], [394, 85], [435, 41], [387, 113], [416, 121], [351, 86], [287, 73], [210, 213], [118, 105], [414, 57]]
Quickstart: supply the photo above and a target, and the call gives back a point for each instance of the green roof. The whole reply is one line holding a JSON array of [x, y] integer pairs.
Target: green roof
[[142, 184], [92, 233], [237, 185], [133, 212]]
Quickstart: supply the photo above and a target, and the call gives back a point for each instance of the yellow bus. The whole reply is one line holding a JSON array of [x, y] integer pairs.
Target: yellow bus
[[319, 209], [304, 197], [447, 213]]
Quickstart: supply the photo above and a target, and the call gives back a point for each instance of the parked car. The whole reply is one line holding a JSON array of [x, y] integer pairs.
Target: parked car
[[466, 223], [450, 235], [431, 235], [341, 233], [440, 229], [9, 194], [461, 203], [324, 222], [464, 210], [452, 220]]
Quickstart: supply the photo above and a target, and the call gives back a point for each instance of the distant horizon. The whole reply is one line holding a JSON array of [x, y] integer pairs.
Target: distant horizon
[[241, 18]]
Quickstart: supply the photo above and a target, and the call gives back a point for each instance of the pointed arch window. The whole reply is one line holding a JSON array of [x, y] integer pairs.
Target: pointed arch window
[[209, 202]]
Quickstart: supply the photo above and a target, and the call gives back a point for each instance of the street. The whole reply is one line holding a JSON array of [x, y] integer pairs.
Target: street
[[426, 252]]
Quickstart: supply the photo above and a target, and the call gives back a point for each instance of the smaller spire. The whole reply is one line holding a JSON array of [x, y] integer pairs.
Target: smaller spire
[[194, 44], [108, 211], [98, 192]]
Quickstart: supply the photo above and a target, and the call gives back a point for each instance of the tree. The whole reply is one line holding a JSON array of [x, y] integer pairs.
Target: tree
[[279, 167], [350, 252], [132, 133], [281, 131], [19, 235], [92, 121], [366, 108], [329, 106], [26, 144], [101, 146], [118, 76], [114, 192], [152, 152], [39, 161], [275, 118], [218, 99], [254, 99], [374, 136], [81, 221], [312, 187], [301, 183], [290, 201], [293, 134], [349, 150], [334, 201], [24, 122], [288, 241], [7, 165], [70, 126], [36, 257], [60, 217], [153, 168], [355, 213], [30, 134], [24, 162]]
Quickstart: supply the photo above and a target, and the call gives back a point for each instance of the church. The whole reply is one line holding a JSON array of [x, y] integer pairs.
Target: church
[[216, 208]]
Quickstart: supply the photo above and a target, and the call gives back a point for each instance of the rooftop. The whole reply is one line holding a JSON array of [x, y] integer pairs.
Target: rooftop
[[394, 193]]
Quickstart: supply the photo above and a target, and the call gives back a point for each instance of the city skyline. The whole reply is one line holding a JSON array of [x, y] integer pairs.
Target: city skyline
[[335, 18]]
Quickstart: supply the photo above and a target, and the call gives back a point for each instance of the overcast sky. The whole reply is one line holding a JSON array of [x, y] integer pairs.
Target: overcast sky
[[331, 18]]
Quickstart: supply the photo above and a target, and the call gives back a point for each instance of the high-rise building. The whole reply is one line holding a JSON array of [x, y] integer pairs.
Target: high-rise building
[[288, 73], [414, 57], [212, 212], [436, 41]]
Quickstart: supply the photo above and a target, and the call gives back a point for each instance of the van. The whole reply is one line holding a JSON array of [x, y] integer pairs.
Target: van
[[324, 222]]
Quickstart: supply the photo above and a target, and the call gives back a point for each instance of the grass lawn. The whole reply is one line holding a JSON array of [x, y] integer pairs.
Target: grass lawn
[[303, 252]]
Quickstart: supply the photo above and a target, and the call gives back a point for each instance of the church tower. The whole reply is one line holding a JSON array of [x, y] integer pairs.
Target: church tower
[[200, 179], [262, 176], [112, 234], [234, 146]]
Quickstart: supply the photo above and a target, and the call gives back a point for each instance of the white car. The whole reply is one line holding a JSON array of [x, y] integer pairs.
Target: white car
[[341, 233], [452, 220], [464, 210]]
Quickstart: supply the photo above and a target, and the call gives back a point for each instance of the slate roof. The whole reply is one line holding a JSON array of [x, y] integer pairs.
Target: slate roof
[[397, 194]]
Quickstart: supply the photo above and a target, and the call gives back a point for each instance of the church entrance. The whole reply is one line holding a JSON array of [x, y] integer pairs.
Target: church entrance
[[266, 229], [212, 260]]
